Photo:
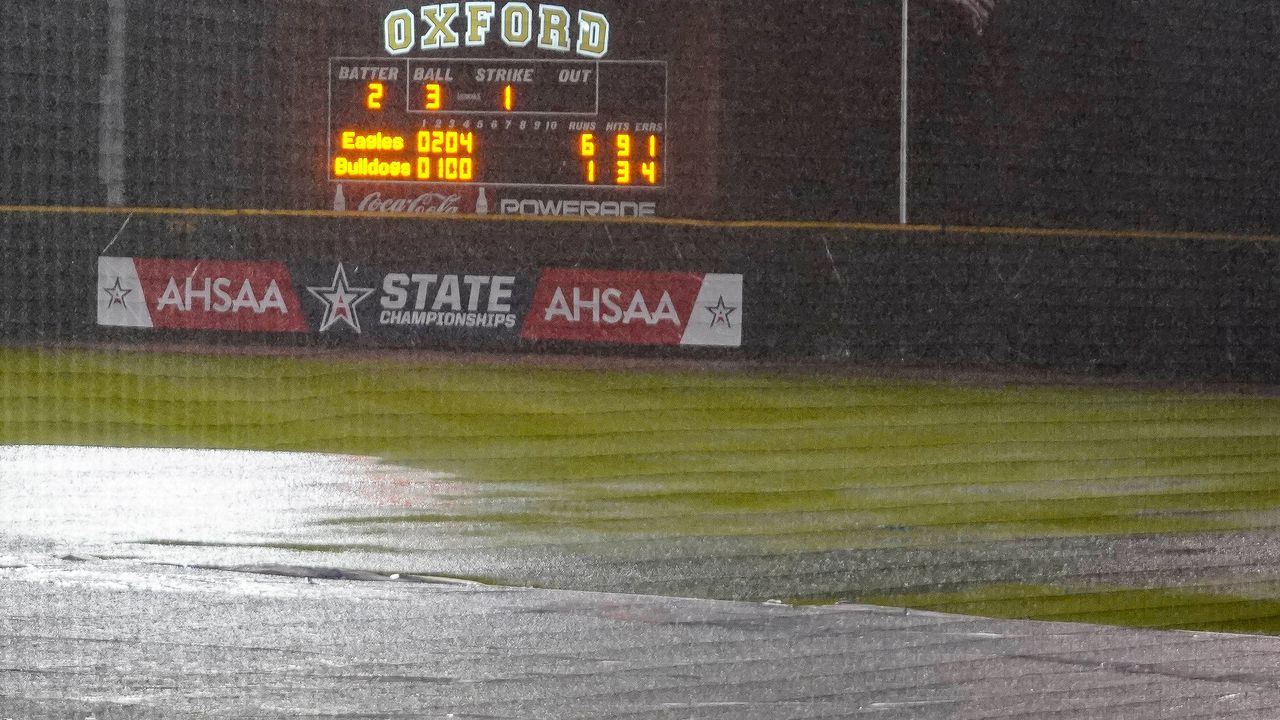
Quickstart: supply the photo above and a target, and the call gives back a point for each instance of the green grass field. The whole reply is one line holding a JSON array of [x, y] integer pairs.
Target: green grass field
[[743, 471]]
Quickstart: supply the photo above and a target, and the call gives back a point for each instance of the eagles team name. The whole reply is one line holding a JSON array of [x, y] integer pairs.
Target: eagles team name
[[442, 28]]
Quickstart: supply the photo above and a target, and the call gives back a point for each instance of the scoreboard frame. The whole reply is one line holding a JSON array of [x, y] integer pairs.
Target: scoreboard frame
[[446, 114], [666, 67]]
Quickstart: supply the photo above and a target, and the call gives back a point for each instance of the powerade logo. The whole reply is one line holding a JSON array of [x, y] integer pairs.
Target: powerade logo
[[449, 26], [577, 208]]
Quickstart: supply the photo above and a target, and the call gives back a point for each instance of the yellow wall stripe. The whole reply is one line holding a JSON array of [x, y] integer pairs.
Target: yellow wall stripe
[[672, 222]]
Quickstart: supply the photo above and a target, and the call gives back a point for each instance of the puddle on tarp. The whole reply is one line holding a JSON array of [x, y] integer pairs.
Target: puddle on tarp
[[190, 505]]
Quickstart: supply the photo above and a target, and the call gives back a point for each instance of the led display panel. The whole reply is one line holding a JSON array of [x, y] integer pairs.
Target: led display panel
[[601, 109]]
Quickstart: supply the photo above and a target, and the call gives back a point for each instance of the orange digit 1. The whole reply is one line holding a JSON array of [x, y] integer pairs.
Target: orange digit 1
[[374, 100]]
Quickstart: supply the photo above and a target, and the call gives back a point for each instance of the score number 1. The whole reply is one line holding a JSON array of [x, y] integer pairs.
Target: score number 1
[[624, 168]]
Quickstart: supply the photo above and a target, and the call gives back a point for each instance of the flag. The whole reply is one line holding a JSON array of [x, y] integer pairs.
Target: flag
[[978, 11]]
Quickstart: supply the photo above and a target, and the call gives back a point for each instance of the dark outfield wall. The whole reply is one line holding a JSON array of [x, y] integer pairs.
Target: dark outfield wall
[[1158, 308], [1110, 114]]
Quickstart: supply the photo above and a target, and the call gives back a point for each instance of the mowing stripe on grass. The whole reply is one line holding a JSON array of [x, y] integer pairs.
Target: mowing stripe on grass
[[732, 484]]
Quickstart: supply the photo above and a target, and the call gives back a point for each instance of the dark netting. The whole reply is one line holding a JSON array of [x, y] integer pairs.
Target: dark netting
[[1092, 114], [51, 71]]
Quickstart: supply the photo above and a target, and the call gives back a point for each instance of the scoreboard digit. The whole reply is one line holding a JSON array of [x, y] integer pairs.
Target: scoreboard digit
[[525, 122], [519, 100]]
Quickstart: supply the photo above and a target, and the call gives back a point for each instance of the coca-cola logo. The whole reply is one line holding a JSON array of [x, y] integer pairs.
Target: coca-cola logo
[[429, 203]]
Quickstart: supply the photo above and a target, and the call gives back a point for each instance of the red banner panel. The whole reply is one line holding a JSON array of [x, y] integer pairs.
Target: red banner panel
[[637, 308], [198, 295]]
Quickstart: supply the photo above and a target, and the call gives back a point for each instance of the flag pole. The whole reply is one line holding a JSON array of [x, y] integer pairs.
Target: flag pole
[[111, 95], [905, 138]]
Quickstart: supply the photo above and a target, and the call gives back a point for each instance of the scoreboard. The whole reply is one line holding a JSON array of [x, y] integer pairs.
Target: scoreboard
[[514, 108], [540, 123]]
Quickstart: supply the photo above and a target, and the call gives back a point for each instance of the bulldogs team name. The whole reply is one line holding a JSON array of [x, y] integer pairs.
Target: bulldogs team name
[[452, 25]]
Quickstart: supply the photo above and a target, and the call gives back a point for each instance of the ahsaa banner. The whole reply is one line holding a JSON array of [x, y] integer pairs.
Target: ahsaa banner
[[637, 308], [419, 305], [233, 296]]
